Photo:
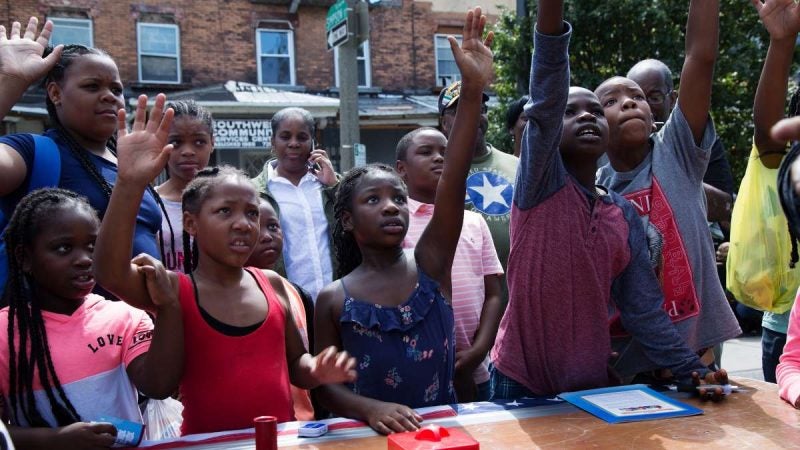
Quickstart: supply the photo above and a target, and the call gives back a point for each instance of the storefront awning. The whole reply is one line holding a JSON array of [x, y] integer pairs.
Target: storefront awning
[[239, 98]]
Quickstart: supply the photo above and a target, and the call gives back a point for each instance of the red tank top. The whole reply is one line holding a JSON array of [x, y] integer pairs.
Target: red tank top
[[229, 380]]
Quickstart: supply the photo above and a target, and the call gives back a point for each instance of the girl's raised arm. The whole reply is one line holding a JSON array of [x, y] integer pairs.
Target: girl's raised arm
[[21, 64], [437, 245], [782, 21], [142, 154]]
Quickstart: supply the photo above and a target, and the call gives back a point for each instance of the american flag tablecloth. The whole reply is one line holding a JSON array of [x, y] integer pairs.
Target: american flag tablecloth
[[343, 429]]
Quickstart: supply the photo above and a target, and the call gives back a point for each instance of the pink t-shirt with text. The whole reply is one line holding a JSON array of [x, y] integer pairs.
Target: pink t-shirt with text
[[91, 350]]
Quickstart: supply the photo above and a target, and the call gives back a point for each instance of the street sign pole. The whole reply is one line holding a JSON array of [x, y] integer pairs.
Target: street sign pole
[[348, 93]]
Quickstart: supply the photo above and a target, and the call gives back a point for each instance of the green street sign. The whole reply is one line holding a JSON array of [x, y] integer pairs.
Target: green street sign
[[337, 14]]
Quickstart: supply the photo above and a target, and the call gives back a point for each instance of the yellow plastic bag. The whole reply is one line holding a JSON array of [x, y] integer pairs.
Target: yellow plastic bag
[[758, 272]]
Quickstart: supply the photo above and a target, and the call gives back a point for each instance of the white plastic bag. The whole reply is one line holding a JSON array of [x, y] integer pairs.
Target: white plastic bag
[[162, 419]]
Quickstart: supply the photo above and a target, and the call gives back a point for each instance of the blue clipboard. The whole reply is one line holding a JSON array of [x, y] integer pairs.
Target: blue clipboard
[[632, 403]]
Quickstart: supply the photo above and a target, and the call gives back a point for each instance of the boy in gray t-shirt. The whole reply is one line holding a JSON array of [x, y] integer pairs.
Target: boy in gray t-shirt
[[662, 176]]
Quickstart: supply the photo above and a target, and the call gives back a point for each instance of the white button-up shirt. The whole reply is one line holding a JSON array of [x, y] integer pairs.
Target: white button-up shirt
[[306, 246]]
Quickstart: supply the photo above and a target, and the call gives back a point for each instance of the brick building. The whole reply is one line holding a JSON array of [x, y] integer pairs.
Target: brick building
[[223, 51]]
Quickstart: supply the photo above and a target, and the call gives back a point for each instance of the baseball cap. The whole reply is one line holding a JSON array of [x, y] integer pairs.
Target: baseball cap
[[449, 96]]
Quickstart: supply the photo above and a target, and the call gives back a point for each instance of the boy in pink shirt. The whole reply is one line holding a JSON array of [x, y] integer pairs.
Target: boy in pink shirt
[[476, 275]]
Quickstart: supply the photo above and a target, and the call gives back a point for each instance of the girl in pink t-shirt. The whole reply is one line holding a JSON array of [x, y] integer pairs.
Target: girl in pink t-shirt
[[61, 344], [234, 351]]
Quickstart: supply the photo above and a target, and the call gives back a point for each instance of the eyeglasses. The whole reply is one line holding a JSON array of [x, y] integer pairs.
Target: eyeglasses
[[657, 97]]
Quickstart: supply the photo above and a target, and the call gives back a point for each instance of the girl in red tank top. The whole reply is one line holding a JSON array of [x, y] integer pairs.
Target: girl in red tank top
[[236, 353]]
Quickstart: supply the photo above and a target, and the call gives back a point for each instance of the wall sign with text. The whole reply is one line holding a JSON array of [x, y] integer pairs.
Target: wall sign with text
[[242, 133]]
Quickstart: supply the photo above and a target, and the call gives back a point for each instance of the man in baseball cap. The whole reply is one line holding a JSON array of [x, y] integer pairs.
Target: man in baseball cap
[[490, 183], [449, 96]]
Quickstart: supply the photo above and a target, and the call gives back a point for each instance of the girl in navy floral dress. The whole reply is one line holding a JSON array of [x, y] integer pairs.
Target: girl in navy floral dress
[[389, 308]]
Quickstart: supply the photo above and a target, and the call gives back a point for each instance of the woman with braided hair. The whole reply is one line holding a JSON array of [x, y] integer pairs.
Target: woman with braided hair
[[84, 95]]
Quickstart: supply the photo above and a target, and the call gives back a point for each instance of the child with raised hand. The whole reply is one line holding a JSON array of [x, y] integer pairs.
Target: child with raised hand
[[575, 247], [780, 341], [661, 174], [229, 314], [21, 62], [781, 18], [265, 256], [389, 308], [84, 93], [61, 344], [192, 139], [476, 275]]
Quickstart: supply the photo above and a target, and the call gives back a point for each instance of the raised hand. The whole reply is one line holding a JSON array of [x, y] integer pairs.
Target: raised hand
[[781, 18], [474, 56], [388, 418], [143, 152], [21, 56], [332, 367]]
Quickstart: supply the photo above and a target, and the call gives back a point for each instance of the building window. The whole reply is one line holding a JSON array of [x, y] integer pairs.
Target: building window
[[71, 31], [364, 72], [275, 50], [446, 68], [159, 53]]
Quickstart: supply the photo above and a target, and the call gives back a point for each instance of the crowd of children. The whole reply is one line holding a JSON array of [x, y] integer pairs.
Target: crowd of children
[[396, 297]]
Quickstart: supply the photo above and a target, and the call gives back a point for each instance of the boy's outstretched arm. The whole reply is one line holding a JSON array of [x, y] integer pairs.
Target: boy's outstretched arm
[[639, 299], [142, 154], [541, 171], [437, 245], [782, 19], [702, 42]]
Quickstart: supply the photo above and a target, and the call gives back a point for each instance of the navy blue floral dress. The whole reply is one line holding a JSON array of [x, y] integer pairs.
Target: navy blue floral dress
[[406, 354]]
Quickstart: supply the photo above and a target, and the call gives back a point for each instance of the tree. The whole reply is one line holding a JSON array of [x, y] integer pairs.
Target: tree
[[611, 35]]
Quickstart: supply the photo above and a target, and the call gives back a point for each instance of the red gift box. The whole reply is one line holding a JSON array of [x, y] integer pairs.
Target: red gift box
[[433, 437]]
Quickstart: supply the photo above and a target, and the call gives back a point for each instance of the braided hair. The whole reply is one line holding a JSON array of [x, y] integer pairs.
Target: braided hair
[[789, 199], [32, 354], [195, 194], [190, 109], [69, 55], [345, 247]]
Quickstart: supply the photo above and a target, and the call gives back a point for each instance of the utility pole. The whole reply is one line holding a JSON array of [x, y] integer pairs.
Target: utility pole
[[348, 89]]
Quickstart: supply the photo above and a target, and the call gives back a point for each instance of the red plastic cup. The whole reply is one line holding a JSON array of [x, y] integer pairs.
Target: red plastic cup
[[266, 432]]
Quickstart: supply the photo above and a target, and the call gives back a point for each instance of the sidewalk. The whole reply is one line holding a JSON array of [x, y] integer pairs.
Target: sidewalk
[[741, 357]]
